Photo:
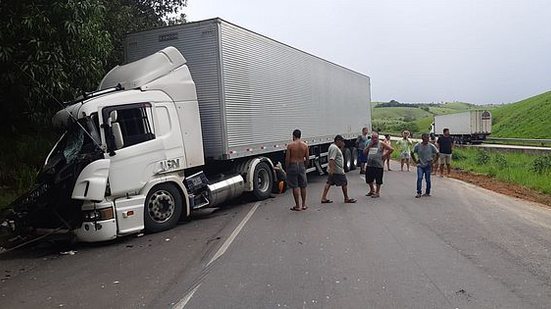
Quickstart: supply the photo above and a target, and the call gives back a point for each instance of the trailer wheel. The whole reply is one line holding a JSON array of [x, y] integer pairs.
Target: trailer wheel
[[262, 181], [347, 160], [354, 157], [163, 208]]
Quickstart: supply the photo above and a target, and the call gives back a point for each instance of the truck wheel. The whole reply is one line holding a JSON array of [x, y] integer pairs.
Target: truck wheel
[[354, 162], [262, 181], [347, 160], [163, 208]]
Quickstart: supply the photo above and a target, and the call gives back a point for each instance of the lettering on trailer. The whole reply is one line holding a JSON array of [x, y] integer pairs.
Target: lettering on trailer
[[169, 165], [168, 37]]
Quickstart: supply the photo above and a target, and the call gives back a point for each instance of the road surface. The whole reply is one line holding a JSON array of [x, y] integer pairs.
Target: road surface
[[464, 247]]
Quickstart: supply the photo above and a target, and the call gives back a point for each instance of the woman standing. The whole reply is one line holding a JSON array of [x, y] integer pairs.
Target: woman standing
[[405, 145], [387, 160]]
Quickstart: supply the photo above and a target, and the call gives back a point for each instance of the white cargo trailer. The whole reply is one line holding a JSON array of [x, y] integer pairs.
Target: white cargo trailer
[[467, 127], [189, 127], [252, 90]]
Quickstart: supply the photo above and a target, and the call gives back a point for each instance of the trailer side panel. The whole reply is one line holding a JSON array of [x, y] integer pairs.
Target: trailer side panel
[[253, 91]]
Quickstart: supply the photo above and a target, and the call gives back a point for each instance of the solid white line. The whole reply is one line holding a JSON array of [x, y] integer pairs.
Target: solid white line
[[183, 302], [234, 234]]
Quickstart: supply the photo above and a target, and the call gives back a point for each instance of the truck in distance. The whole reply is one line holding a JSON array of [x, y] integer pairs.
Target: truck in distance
[[467, 127]]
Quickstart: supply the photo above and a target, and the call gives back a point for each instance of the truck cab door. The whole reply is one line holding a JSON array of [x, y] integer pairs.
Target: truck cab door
[[134, 150]]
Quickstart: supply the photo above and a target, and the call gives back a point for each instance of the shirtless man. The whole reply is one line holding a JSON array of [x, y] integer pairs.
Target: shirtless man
[[296, 159]]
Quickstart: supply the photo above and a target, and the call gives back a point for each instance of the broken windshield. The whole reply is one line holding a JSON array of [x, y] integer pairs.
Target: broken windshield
[[76, 141]]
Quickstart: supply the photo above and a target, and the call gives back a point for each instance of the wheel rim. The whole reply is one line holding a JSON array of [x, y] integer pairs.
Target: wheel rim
[[161, 206], [263, 180], [355, 158], [348, 161]]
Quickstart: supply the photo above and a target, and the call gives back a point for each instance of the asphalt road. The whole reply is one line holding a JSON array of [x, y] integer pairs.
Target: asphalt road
[[464, 247]]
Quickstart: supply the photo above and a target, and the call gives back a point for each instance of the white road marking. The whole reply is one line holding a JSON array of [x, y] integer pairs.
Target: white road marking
[[234, 234], [183, 302]]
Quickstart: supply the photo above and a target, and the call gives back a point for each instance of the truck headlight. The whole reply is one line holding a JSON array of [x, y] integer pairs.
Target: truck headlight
[[98, 214]]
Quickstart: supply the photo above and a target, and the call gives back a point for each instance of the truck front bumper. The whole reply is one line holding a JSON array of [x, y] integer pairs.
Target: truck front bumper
[[99, 223], [97, 231]]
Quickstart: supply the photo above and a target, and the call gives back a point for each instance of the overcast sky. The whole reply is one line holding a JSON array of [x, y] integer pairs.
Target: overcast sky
[[476, 51]]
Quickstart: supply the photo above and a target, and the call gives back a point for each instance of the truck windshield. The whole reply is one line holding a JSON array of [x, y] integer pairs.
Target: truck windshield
[[75, 141]]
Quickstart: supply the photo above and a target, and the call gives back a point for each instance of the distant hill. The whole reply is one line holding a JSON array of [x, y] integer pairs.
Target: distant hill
[[394, 117], [529, 118]]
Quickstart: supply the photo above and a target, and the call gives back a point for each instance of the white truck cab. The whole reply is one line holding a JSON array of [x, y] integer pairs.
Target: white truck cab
[[147, 117]]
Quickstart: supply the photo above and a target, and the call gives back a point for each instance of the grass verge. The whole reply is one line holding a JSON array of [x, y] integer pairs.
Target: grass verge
[[530, 171]]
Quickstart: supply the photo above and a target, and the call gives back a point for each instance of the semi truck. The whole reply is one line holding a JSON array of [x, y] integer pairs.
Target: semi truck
[[200, 114], [467, 127]]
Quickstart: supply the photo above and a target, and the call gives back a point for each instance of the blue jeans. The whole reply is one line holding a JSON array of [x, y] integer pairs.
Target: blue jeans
[[423, 170]]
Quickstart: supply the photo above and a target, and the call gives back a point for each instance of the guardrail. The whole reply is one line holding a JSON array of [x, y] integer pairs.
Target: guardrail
[[518, 141]]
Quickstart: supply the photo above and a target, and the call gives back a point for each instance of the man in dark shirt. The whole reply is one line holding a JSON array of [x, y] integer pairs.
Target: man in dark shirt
[[445, 147]]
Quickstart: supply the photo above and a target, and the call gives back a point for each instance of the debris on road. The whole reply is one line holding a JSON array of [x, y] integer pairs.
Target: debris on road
[[70, 252]]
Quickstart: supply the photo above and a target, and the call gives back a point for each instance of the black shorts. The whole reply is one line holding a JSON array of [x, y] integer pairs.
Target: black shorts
[[338, 180], [296, 175], [374, 173]]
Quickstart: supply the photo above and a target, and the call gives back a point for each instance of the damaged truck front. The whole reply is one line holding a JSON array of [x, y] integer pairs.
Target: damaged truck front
[[122, 144], [75, 163]]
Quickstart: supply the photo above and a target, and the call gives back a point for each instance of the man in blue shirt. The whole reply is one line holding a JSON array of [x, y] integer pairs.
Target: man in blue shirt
[[426, 153]]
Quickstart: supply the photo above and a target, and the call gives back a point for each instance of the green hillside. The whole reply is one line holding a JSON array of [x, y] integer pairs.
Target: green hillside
[[529, 118], [416, 118], [399, 113]]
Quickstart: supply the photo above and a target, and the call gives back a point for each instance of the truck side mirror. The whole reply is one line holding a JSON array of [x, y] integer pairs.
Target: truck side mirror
[[117, 134], [116, 130]]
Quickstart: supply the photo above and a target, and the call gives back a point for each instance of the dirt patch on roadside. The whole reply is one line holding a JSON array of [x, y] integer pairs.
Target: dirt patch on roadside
[[502, 187]]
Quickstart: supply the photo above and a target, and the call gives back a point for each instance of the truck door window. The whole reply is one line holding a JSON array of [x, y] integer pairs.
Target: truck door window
[[135, 123]]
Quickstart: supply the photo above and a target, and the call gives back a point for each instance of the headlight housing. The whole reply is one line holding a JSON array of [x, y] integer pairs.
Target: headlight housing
[[98, 214]]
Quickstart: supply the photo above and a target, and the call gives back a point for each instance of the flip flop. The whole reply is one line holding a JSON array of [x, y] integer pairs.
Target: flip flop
[[350, 201], [326, 201], [295, 209]]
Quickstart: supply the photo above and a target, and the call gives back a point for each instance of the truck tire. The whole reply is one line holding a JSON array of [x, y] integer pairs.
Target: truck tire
[[347, 160], [163, 208], [263, 181], [354, 157]]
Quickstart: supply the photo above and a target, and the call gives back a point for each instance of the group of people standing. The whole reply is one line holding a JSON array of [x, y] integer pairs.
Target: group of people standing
[[373, 153]]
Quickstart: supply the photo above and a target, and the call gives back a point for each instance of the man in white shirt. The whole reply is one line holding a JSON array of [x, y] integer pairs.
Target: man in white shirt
[[335, 170]]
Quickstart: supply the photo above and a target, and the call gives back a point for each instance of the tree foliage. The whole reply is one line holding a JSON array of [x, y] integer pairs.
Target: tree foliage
[[54, 50]]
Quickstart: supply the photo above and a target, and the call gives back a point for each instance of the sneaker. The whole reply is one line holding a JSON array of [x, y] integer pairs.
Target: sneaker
[[426, 194], [418, 195]]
